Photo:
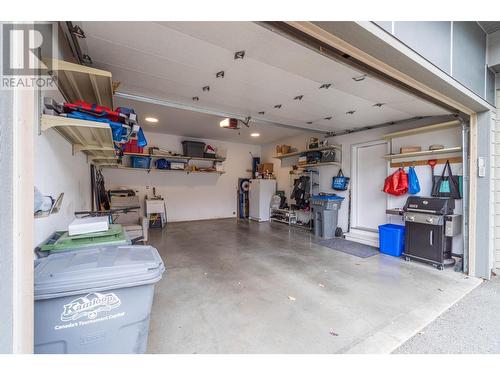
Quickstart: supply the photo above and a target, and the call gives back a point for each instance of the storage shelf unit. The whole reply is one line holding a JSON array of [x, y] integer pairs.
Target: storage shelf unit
[[91, 137], [80, 82], [287, 216], [450, 150], [116, 166], [174, 157], [423, 129], [320, 164], [297, 153]]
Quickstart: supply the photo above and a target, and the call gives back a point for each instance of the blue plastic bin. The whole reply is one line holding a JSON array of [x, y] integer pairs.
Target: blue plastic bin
[[391, 239], [140, 162]]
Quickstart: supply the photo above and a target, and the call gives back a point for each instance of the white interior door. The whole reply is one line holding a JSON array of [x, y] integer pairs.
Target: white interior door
[[369, 202]]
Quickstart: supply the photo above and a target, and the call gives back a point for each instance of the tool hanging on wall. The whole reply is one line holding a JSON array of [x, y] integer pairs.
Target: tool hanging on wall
[[432, 163]]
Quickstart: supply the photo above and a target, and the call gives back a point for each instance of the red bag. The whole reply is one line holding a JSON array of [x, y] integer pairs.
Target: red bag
[[396, 183]]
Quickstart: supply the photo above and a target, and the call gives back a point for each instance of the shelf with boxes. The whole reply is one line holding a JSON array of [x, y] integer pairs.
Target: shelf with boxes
[[314, 157], [148, 170], [165, 161], [413, 152]]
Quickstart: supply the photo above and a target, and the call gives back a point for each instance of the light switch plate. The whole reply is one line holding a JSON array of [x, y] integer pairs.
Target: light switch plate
[[481, 167]]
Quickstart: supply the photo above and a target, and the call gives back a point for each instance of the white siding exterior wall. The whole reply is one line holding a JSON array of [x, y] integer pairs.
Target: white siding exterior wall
[[495, 165]]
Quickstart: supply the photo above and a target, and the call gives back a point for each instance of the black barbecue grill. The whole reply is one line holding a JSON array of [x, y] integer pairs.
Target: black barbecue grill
[[428, 235]]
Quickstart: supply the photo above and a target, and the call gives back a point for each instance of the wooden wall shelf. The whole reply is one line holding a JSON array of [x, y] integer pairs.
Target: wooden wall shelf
[[423, 129], [450, 150], [297, 153], [320, 164], [415, 163], [175, 157], [90, 137], [80, 82], [148, 170]]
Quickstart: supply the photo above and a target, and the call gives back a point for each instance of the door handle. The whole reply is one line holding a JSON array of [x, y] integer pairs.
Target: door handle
[[431, 237]]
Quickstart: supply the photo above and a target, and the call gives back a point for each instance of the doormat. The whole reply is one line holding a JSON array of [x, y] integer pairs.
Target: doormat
[[349, 247]]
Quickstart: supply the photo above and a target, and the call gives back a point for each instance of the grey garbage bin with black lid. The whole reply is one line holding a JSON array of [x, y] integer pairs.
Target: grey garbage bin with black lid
[[95, 300]]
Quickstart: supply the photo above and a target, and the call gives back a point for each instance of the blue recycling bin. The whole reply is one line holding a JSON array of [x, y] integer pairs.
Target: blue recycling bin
[[391, 239]]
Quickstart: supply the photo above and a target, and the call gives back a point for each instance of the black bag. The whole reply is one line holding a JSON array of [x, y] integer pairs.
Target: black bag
[[446, 186]]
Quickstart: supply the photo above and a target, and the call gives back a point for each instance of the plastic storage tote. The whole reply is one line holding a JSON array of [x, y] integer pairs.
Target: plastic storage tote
[[140, 162], [162, 164], [96, 300], [391, 239], [62, 241], [193, 149]]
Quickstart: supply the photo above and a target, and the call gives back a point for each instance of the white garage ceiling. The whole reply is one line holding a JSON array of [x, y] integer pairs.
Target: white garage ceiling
[[173, 61], [202, 125]]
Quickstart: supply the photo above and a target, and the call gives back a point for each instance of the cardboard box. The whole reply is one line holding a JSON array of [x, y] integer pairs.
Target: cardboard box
[[407, 149], [265, 167]]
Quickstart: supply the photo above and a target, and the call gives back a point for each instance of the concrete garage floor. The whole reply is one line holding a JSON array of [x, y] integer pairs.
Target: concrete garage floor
[[238, 287]]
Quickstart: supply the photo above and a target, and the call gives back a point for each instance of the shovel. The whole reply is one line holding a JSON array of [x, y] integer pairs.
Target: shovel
[[432, 164]]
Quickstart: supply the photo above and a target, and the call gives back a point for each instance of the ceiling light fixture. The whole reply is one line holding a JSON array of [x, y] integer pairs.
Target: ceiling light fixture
[[255, 135], [359, 78], [151, 119]]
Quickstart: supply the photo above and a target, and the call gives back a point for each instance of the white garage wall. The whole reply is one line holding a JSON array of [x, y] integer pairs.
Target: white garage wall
[[450, 137], [58, 171], [194, 196]]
